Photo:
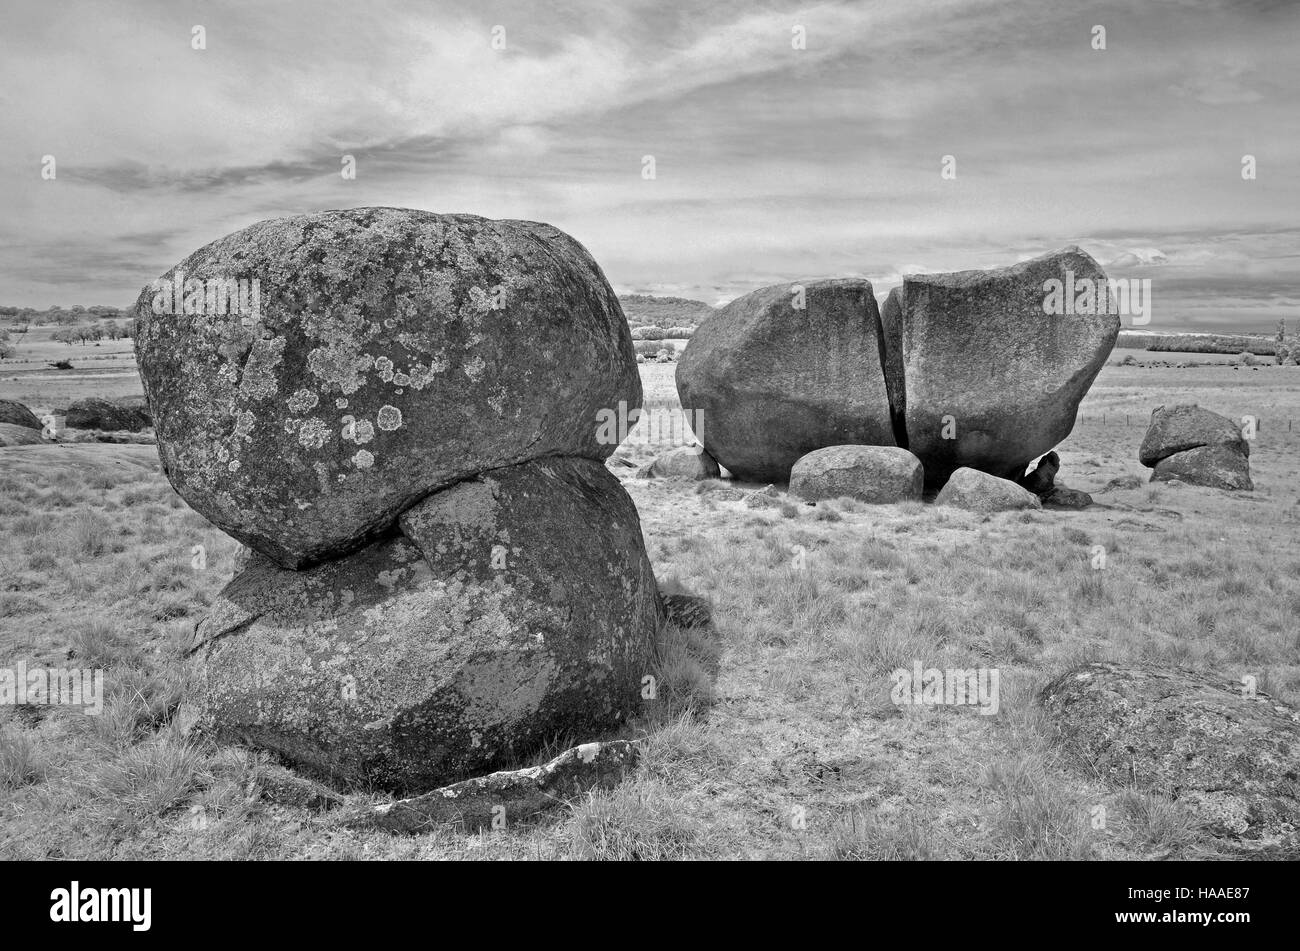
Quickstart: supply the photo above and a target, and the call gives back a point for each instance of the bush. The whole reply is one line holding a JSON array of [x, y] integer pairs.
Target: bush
[[680, 333], [1246, 358], [650, 350], [648, 333]]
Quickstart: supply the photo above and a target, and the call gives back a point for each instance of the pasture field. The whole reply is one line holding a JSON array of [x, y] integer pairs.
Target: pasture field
[[775, 737]]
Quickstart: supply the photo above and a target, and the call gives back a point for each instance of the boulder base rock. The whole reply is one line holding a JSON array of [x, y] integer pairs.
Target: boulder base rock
[[981, 492], [16, 414], [774, 382], [13, 435], [521, 793], [1063, 497], [873, 474], [391, 353], [1228, 757], [1219, 467], [95, 413], [684, 462], [992, 379], [512, 608], [1043, 478], [1187, 426]]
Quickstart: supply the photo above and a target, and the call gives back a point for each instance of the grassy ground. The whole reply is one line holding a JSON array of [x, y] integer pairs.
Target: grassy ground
[[794, 749]]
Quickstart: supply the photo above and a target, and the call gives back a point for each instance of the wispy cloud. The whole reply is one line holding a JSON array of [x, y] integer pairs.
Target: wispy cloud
[[772, 162]]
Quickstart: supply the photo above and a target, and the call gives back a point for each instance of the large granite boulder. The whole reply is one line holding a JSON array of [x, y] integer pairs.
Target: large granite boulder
[[382, 354], [16, 414], [511, 609], [1225, 752], [1175, 429], [107, 415], [992, 377], [874, 474], [980, 492], [1219, 467], [775, 381]]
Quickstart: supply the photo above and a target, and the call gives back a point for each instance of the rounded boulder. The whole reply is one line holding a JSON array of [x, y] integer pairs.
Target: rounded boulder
[[874, 474], [312, 377], [512, 609]]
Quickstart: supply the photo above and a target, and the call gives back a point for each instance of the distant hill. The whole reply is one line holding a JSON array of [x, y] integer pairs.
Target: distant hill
[[646, 310]]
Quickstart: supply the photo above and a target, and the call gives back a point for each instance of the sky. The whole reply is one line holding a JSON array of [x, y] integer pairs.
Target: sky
[[774, 160]]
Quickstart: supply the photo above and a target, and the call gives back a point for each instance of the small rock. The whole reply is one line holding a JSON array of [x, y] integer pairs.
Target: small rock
[[981, 492], [767, 498], [686, 610], [1123, 483], [1062, 497], [521, 793], [874, 474], [684, 462], [1041, 480]]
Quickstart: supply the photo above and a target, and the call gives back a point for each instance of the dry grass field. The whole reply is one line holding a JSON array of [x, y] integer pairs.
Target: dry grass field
[[793, 749]]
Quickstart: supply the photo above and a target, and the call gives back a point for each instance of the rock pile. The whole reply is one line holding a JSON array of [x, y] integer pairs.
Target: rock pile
[[977, 369], [1193, 445], [443, 573]]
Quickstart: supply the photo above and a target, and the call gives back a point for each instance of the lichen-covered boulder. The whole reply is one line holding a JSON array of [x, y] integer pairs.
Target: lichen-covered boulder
[[13, 435], [874, 474], [382, 353], [16, 414], [513, 608], [1218, 467], [775, 380], [993, 375], [1175, 429], [981, 492], [1226, 752], [106, 415], [684, 462]]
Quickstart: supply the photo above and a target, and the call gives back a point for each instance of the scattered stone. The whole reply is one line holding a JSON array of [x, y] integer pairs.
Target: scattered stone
[[1219, 467], [1041, 480], [16, 414], [1187, 426], [980, 492], [785, 370], [1062, 497], [1124, 483], [686, 610], [993, 380], [513, 607], [1229, 757], [12, 434], [518, 794], [684, 462], [95, 413], [283, 787], [393, 353], [874, 474], [767, 498]]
